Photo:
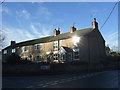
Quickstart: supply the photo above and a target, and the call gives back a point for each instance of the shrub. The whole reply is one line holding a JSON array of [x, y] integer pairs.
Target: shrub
[[16, 59]]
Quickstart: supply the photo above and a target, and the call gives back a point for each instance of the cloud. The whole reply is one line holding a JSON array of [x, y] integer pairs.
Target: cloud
[[43, 12], [36, 30], [40, 30], [24, 14], [94, 12], [17, 34], [6, 11]]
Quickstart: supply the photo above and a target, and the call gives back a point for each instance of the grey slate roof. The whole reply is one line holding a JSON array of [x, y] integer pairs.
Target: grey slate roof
[[67, 49], [81, 32]]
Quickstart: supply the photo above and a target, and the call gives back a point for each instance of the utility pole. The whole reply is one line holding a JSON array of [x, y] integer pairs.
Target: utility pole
[[88, 53]]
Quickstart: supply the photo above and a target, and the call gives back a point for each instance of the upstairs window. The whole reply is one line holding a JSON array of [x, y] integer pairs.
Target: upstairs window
[[13, 50], [25, 48], [60, 43], [37, 47], [55, 45], [5, 52]]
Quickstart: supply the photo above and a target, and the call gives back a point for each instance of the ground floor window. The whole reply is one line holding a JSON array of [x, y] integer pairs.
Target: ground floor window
[[76, 55], [55, 57], [38, 58], [62, 57], [70, 56], [29, 56]]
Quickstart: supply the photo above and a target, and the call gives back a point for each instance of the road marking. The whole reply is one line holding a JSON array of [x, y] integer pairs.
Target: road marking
[[66, 80], [45, 86], [49, 82], [62, 82], [30, 87], [40, 85], [54, 83]]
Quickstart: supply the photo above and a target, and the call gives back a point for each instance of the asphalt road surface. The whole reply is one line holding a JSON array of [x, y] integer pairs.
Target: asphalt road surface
[[105, 79]]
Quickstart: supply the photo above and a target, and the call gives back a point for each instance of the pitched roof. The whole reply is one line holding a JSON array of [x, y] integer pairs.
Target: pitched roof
[[81, 32], [67, 49], [53, 38]]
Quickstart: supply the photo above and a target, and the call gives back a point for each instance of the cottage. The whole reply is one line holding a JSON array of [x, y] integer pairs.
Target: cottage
[[86, 45]]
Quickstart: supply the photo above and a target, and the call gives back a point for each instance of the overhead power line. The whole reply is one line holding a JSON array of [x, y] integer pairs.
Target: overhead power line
[[1, 2], [109, 15]]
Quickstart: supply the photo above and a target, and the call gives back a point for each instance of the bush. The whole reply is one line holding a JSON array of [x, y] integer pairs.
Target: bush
[[16, 59]]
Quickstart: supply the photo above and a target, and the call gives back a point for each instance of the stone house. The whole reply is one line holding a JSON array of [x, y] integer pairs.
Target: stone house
[[86, 45]]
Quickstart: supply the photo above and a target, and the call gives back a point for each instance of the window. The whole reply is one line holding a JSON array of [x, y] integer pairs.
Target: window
[[60, 42], [55, 57], [13, 50], [70, 56], [55, 46], [5, 52], [63, 57], [76, 54], [29, 56], [37, 47], [25, 48], [38, 58]]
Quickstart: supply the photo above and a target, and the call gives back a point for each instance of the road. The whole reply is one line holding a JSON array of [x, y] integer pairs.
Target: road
[[105, 79]]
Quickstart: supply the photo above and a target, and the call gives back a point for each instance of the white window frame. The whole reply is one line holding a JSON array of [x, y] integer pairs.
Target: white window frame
[[76, 50], [13, 50], [55, 45], [38, 58], [63, 58], [23, 48], [55, 57], [60, 43], [5, 52], [36, 47]]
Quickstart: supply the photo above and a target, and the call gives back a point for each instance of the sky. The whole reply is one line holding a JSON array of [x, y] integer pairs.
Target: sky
[[23, 21]]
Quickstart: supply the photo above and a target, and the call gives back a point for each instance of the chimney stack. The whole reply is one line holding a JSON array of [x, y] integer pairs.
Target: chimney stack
[[72, 29], [94, 24], [13, 42], [56, 32]]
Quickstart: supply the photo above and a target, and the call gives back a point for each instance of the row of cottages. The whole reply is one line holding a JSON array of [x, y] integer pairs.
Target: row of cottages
[[86, 45]]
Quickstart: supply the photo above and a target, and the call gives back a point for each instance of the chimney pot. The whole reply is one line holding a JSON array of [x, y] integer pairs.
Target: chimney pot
[[13, 42], [94, 24], [56, 32], [72, 29]]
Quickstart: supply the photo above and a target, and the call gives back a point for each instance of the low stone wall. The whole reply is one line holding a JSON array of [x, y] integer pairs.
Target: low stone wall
[[31, 69]]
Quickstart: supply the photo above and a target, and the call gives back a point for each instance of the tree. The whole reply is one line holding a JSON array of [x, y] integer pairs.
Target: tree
[[2, 39], [107, 49]]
